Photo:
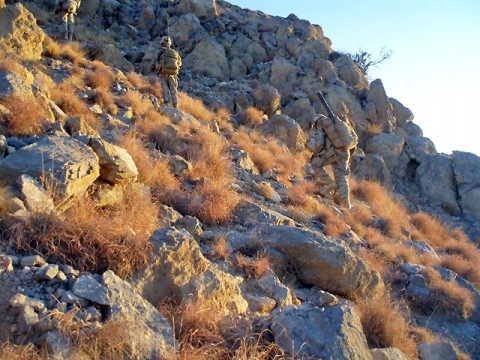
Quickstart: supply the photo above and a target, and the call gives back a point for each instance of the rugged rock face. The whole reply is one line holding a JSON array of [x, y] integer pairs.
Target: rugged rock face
[[64, 163], [19, 32], [333, 332]]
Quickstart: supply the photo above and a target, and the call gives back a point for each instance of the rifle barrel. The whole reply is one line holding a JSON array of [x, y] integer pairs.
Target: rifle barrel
[[326, 106]]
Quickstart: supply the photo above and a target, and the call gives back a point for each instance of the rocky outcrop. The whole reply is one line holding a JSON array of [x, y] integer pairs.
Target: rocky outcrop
[[62, 163], [19, 32], [181, 272], [466, 168], [116, 164], [321, 261], [151, 335], [332, 332], [287, 130], [209, 59]]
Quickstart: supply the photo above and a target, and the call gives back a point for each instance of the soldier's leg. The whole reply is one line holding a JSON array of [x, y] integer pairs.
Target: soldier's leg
[[322, 177], [165, 90], [70, 28], [173, 86], [342, 194], [65, 25]]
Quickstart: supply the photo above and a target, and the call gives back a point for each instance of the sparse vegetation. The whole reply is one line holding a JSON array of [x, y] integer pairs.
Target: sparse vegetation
[[251, 117], [364, 59]]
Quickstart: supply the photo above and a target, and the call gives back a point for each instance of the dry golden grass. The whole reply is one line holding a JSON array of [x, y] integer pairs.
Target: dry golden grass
[[223, 117], [137, 80], [251, 117], [254, 267], [373, 129], [359, 218], [27, 115], [334, 224], [378, 262], [268, 154], [221, 249], [395, 216], [448, 296], [21, 352], [266, 190], [5, 198], [137, 102], [385, 325], [204, 334], [10, 62], [100, 77], [72, 52], [152, 171], [106, 100], [90, 238], [194, 107], [145, 85], [429, 229], [208, 153]]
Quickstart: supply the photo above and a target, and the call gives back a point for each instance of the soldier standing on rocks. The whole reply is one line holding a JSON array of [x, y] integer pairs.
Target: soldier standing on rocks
[[168, 67], [332, 140], [68, 9]]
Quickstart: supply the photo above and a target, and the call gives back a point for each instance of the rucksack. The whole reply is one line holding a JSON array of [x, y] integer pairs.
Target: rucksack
[[170, 62], [340, 133]]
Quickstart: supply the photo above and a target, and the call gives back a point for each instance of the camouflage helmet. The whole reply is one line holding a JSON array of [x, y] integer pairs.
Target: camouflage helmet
[[166, 41]]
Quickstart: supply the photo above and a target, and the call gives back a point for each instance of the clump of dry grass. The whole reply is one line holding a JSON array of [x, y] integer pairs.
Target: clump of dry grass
[[152, 170], [254, 267], [10, 351], [194, 107], [221, 249], [385, 325], [145, 85], [268, 154], [100, 77], [223, 117], [5, 198], [204, 334], [266, 190], [251, 117], [72, 51], [394, 215], [334, 224], [89, 238], [27, 115], [447, 295], [137, 102]]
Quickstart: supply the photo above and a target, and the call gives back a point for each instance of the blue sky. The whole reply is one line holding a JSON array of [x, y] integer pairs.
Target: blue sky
[[435, 64]]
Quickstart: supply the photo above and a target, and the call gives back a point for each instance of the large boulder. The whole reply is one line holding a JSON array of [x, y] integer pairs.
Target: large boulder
[[466, 167], [12, 83], [372, 167], [110, 55], [204, 9], [389, 146], [285, 129], [349, 72], [437, 183], [63, 163], [331, 332], [180, 271], [321, 261], [379, 109], [151, 335], [267, 99], [19, 32], [209, 59], [402, 114], [310, 52], [187, 32], [250, 213], [283, 75], [116, 164]]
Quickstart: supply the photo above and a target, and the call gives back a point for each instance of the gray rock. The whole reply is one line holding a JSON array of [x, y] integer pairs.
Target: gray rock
[[87, 287], [151, 334], [267, 99], [388, 354], [437, 351], [389, 146], [204, 9], [373, 167], [466, 168], [249, 213], [179, 165], [382, 110], [12, 84], [27, 319], [34, 196], [33, 260], [321, 261], [209, 59], [273, 288], [333, 332], [402, 114], [191, 224], [47, 273], [285, 129], [349, 72], [64, 163]]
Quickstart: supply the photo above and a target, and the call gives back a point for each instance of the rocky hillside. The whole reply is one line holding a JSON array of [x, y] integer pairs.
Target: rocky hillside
[[129, 229]]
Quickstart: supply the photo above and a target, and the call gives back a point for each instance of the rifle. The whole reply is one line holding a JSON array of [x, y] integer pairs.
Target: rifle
[[331, 115]]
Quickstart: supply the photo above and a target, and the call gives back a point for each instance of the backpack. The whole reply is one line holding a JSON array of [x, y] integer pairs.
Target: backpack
[[316, 138], [170, 62], [340, 133]]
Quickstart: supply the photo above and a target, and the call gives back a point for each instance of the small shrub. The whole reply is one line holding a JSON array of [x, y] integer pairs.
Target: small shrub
[[223, 117], [101, 77], [27, 115], [334, 224], [194, 107], [251, 117], [254, 267], [384, 324], [137, 102], [10, 351], [89, 238], [221, 249]]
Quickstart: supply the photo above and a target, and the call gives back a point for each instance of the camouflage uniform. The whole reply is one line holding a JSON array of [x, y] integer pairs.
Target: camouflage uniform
[[327, 154], [68, 9], [169, 76]]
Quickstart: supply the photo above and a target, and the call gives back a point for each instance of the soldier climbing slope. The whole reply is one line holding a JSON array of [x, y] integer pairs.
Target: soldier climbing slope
[[168, 67], [68, 9], [332, 140]]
